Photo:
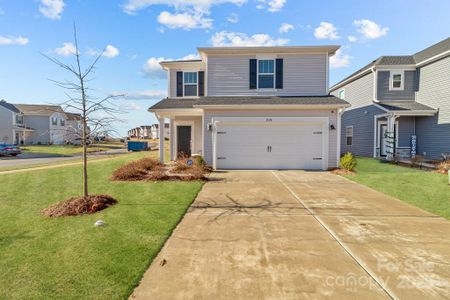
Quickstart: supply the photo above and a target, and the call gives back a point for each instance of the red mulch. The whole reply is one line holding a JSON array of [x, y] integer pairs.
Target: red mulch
[[79, 206], [342, 172]]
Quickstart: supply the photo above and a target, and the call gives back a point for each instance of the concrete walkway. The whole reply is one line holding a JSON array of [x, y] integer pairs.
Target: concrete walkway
[[300, 235]]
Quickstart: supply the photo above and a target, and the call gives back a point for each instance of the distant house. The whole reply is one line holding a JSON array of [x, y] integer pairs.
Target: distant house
[[74, 127], [32, 123], [155, 131], [400, 105]]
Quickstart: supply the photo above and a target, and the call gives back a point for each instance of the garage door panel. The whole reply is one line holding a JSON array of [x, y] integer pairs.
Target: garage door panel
[[292, 146]]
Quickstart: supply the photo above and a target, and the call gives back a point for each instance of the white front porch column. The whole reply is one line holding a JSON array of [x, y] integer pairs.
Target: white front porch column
[[391, 137], [161, 138]]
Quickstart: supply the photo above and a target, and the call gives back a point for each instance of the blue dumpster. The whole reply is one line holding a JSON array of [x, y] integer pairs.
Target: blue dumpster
[[137, 146]]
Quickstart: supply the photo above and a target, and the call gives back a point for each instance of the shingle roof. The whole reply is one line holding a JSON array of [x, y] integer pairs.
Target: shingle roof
[[9, 106], [434, 50], [180, 103], [420, 56], [405, 106], [38, 109], [73, 117]]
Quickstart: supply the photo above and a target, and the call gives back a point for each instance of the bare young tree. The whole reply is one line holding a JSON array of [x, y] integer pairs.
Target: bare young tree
[[96, 113]]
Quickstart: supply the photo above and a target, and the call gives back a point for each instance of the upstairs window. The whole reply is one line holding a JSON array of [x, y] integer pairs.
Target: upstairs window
[[190, 83], [62, 122], [19, 119], [349, 135], [54, 121], [396, 81], [266, 73], [342, 94]]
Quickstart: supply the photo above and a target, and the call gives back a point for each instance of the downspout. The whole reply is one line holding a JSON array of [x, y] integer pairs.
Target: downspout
[[375, 84]]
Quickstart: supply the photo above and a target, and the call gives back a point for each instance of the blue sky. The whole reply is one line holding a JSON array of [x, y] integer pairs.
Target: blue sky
[[139, 33]]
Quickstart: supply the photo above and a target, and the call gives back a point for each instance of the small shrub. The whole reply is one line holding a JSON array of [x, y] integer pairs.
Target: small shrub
[[181, 164], [199, 161], [135, 170], [348, 162], [443, 167]]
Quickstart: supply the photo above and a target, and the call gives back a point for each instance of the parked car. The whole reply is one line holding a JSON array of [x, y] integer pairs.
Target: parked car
[[9, 150]]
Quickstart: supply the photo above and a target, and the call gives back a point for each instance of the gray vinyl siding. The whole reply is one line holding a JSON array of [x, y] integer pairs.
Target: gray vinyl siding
[[358, 93], [433, 133], [304, 75], [405, 130], [383, 92], [41, 126], [332, 145], [6, 125], [362, 120]]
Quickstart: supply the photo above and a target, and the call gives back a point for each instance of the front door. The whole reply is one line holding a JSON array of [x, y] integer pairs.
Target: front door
[[183, 140], [383, 140]]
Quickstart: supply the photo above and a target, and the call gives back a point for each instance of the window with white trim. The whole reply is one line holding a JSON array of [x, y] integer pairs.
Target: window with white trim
[[396, 81], [190, 83], [19, 119], [342, 94], [54, 121], [349, 135], [266, 74]]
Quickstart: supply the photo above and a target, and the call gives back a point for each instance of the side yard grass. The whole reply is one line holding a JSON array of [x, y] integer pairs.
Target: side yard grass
[[425, 189], [66, 150], [69, 258]]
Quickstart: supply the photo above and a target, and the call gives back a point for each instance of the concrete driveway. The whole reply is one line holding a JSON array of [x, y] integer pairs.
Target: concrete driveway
[[300, 235]]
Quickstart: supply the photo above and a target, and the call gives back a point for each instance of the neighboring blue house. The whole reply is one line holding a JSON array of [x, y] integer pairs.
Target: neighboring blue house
[[400, 104]]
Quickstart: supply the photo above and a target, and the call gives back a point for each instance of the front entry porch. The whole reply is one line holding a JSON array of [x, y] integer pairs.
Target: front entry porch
[[185, 134], [395, 134]]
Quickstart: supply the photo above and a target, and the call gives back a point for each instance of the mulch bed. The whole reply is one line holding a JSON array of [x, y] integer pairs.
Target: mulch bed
[[79, 206]]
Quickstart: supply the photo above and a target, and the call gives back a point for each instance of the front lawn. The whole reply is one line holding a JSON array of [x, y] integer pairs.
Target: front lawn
[[424, 189], [63, 150], [69, 258]]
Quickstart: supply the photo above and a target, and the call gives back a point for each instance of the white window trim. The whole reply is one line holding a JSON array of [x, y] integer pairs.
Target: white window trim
[[347, 135], [391, 80], [258, 73], [339, 93], [196, 84]]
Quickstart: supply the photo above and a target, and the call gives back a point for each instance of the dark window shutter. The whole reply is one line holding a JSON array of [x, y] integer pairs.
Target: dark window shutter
[[279, 73], [252, 83], [201, 83], [179, 84]]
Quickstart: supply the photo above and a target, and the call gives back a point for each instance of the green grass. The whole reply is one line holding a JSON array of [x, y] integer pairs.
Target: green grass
[[69, 258], [425, 189], [64, 150]]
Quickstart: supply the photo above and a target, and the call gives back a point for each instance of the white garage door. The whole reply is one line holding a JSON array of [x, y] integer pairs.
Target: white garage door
[[270, 145]]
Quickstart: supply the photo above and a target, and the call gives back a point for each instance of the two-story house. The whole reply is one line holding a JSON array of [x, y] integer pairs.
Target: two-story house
[[154, 131], [400, 105], [253, 108], [32, 123]]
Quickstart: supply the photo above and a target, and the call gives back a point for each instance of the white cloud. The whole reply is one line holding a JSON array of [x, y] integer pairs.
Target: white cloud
[[110, 51], [188, 14], [370, 29], [184, 20], [352, 38], [271, 5], [326, 31], [52, 9], [285, 27], [239, 39], [339, 60], [233, 18], [66, 49], [131, 106], [143, 95], [153, 69], [11, 40]]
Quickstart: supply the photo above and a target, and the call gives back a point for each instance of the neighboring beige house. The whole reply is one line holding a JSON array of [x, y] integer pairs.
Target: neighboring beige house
[[32, 123], [253, 108]]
